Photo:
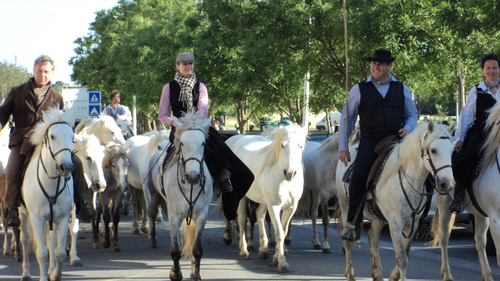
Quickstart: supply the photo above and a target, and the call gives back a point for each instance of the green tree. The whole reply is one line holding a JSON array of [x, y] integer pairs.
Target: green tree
[[10, 76]]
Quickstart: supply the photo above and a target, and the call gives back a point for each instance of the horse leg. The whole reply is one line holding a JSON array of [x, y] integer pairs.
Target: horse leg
[[252, 219], [37, 225], [373, 239], [25, 241], [116, 221], [260, 213], [314, 216], [74, 227], [242, 221], [58, 247], [135, 202], [151, 213], [175, 250], [197, 247], [349, 269], [482, 224], [95, 225], [228, 232], [441, 221], [285, 227], [270, 233], [106, 218], [16, 243], [495, 234], [6, 240], [399, 249], [326, 220]]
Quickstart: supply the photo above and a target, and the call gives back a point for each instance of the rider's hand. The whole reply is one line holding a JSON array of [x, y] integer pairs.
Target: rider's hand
[[403, 132], [458, 146], [344, 156]]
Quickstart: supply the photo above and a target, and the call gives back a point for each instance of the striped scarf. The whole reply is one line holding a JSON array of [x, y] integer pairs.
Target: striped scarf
[[187, 84]]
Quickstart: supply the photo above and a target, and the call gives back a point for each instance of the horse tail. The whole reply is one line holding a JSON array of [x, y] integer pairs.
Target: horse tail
[[435, 227], [304, 206], [188, 238]]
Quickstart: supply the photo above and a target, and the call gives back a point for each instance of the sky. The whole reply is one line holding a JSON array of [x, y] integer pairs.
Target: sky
[[29, 28]]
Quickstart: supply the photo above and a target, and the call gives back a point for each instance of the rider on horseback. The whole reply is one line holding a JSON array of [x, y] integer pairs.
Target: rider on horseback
[[184, 94], [470, 131], [26, 104], [385, 107]]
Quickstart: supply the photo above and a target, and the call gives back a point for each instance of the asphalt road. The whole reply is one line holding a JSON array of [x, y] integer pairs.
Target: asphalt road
[[138, 261]]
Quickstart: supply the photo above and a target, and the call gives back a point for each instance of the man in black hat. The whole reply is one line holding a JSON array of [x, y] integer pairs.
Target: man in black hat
[[385, 107]]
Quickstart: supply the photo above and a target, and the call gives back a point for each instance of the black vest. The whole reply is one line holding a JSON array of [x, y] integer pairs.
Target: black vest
[[484, 101], [179, 107], [380, 117]]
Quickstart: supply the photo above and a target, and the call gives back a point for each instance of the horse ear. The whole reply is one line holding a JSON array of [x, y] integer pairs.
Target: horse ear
[[208, 121], [430, 126]]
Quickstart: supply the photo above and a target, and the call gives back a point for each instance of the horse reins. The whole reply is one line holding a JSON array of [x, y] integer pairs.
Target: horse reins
[[182, 162], [52, 199], [420, 208]]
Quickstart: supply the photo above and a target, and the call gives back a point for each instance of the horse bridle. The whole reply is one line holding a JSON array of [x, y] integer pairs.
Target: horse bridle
[[182, 164], [420, 208], [52, 199]]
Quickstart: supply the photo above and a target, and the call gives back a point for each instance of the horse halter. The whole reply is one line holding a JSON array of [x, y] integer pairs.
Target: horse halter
[[433, 167], [182, 165], [52, 199]]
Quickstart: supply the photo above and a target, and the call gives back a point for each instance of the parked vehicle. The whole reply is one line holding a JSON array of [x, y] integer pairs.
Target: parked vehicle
[[323, 124]]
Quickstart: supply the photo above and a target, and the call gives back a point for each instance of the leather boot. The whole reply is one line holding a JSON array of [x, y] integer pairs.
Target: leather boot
[[456, 205]]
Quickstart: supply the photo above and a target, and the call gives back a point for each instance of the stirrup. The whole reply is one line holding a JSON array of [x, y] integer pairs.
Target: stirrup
[[350, 233], [226, 186], [456, 206]]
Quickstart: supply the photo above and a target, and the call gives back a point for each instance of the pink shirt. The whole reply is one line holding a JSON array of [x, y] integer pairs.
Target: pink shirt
[[164, 114]]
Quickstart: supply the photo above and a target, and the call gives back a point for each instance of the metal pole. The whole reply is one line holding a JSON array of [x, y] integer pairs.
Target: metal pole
[[346, 45]]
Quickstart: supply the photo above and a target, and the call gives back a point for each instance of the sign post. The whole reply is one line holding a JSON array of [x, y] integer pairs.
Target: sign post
[[94, 104]]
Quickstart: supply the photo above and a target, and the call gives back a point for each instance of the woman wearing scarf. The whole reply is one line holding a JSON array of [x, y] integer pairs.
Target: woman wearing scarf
[[469, 133], [185, 93]]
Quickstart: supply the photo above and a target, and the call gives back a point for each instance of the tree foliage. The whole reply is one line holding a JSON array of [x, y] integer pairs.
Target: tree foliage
[[10, 76]]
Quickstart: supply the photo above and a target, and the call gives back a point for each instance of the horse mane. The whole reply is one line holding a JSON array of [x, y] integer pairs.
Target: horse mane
[[156, 139], [51, 116], [330, 144], [113, 151], [277, 135], [490, 144], [407, 154], [191, 120]]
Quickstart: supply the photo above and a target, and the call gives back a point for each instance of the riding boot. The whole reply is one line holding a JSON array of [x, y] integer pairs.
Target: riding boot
[[456, 205], [225, 182]]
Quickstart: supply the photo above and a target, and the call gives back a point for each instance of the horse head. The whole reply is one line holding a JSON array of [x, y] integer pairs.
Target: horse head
[[115, 166], [190, 139], [90, 151], [290, 141], [124, 122], [56, 135]]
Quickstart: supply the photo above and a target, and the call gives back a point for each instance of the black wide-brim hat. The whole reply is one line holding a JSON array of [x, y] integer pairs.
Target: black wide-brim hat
[[381, 56]]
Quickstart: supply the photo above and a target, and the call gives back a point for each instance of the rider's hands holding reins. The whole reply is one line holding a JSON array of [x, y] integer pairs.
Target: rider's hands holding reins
[[458, 146], [403, 132], [344, 156]]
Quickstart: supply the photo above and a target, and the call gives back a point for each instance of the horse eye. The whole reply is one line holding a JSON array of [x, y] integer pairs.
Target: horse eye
[[52, 137], [433, 151], [89, 158]]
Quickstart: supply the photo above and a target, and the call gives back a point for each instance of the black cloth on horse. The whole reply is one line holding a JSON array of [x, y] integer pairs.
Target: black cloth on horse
[[465, 161]]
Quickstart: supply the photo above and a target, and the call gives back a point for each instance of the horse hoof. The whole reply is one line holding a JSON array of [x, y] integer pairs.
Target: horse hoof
[[251, 248], [283, 269], [19, 259], [227, 241], [195, 277], [136, 232], [26, 278], [244, 257], [145, 230], [327, 251], [76, 263], [159, 219], [175, 276], [6, 254], [317, 247], [153, 244], [95, 246], [263, 255], [106, 244], [288, 242]]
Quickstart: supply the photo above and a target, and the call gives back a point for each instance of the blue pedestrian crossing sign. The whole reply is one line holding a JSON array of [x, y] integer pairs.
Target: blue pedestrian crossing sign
[[94, 97], [94, 110]]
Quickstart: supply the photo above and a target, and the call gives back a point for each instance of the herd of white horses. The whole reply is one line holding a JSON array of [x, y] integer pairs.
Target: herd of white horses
[[290, 172]]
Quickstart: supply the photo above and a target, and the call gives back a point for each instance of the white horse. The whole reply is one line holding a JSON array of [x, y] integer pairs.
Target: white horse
[[320, 169], [47, 190], [124, 122], [400, 193], [140, 150], [115, 165], [187, 188], [276, 162], [90, 151], [104, 128], [485, 189]]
